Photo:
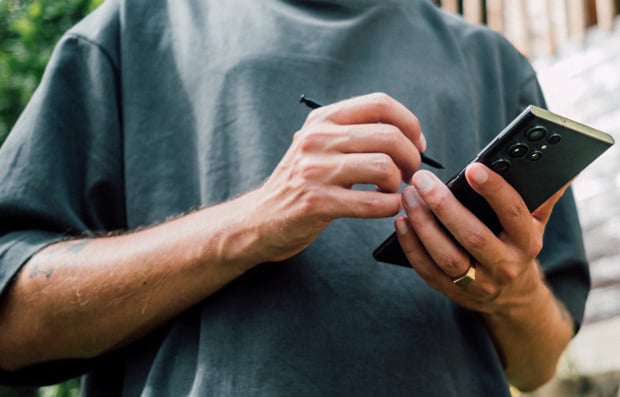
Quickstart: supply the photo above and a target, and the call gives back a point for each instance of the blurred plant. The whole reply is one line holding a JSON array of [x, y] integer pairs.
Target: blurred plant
[[70, 388], [29, 29]]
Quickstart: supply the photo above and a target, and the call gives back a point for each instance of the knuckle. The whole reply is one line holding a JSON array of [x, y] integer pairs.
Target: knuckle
[[536, 245], [315, 116], [378, 205], [312, 200], [393, 140], [308, 169], [515, 210], [475, 239], [506, 272], [383, 165], [426, 274], [388, 132], [439, 204], [369, 204], [450, 265], [490, 292], [381, 100], [298, 138], [380, 97], [311, 140], [507, 275]]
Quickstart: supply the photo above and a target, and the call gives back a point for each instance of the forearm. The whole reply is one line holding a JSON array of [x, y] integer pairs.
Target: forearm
[[78, 304], [84, 297], [530, 334]]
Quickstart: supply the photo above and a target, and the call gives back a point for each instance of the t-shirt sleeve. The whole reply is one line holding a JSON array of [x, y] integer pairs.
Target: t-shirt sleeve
[[563, 257], [61, 168]]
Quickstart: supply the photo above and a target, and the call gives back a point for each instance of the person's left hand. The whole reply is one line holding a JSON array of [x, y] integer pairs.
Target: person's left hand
[[505, 265]]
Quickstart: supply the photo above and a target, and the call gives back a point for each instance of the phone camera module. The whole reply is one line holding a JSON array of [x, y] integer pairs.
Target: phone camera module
[[517, 150], [500, 166], [535, 155], [536, 133], [554, 138]]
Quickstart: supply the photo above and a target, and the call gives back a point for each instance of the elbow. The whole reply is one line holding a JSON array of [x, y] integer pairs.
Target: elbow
[[11, 348], [13, 356], [533, 380], [10, 366], [18, 343]]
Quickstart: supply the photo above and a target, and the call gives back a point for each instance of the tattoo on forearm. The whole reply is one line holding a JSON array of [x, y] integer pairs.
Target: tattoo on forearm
[[73, 247], [36, 271], [77, 246]]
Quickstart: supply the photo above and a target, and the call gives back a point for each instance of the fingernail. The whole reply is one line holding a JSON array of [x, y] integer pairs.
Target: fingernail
[[401, 226], [422, 142], [423, 181], [478, 174], [411, 197]]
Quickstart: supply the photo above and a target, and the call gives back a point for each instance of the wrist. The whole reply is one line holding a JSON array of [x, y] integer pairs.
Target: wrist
[[231, 236], [530, 306], [523, 295], [530, 331]]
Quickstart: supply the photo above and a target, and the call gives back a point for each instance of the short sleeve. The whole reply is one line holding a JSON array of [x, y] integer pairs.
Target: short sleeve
[[61, 168]]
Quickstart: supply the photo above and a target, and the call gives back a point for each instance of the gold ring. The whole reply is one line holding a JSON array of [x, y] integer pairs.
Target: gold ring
[[467, 278]]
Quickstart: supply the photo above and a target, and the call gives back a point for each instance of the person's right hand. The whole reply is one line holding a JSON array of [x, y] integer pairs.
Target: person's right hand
[[371, 139], [153, 274]]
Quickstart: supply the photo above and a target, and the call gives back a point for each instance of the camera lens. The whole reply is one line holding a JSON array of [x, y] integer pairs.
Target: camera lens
[[535, 155], [554, 138], [500, 165], [536, 133], [517, 150]]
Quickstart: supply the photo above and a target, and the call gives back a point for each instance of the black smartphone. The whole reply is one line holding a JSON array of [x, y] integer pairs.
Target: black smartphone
[[537, 153]]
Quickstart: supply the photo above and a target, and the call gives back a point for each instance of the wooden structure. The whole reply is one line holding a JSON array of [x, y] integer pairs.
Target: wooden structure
[[538, 27]]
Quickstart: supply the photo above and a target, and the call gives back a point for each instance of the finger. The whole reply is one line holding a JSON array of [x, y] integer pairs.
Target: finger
[[376, 108], [385, 138], [346, 203], [448, 256], [513, 214], [409, 243], [473, 235], [346, 170], [415, 252], [543, 213], [364, 138], [424, 265]]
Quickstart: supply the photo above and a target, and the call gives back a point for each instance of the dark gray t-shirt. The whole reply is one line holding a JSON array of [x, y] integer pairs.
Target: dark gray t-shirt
[[151, 108]]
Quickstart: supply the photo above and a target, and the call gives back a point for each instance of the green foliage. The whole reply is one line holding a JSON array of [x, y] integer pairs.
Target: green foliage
[[68, 389], [29, 29]]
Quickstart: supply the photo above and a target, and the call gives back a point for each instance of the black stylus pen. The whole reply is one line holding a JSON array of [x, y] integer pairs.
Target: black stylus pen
[[312, 104]]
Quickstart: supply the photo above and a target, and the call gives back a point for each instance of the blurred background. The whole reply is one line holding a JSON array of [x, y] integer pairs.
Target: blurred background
[[574, 46]]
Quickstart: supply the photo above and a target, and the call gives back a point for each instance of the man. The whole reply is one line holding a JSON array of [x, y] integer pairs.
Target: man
[[167, 232]]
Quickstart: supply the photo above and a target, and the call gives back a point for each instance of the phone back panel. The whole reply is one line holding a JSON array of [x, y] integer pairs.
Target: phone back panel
[[537, 153]]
